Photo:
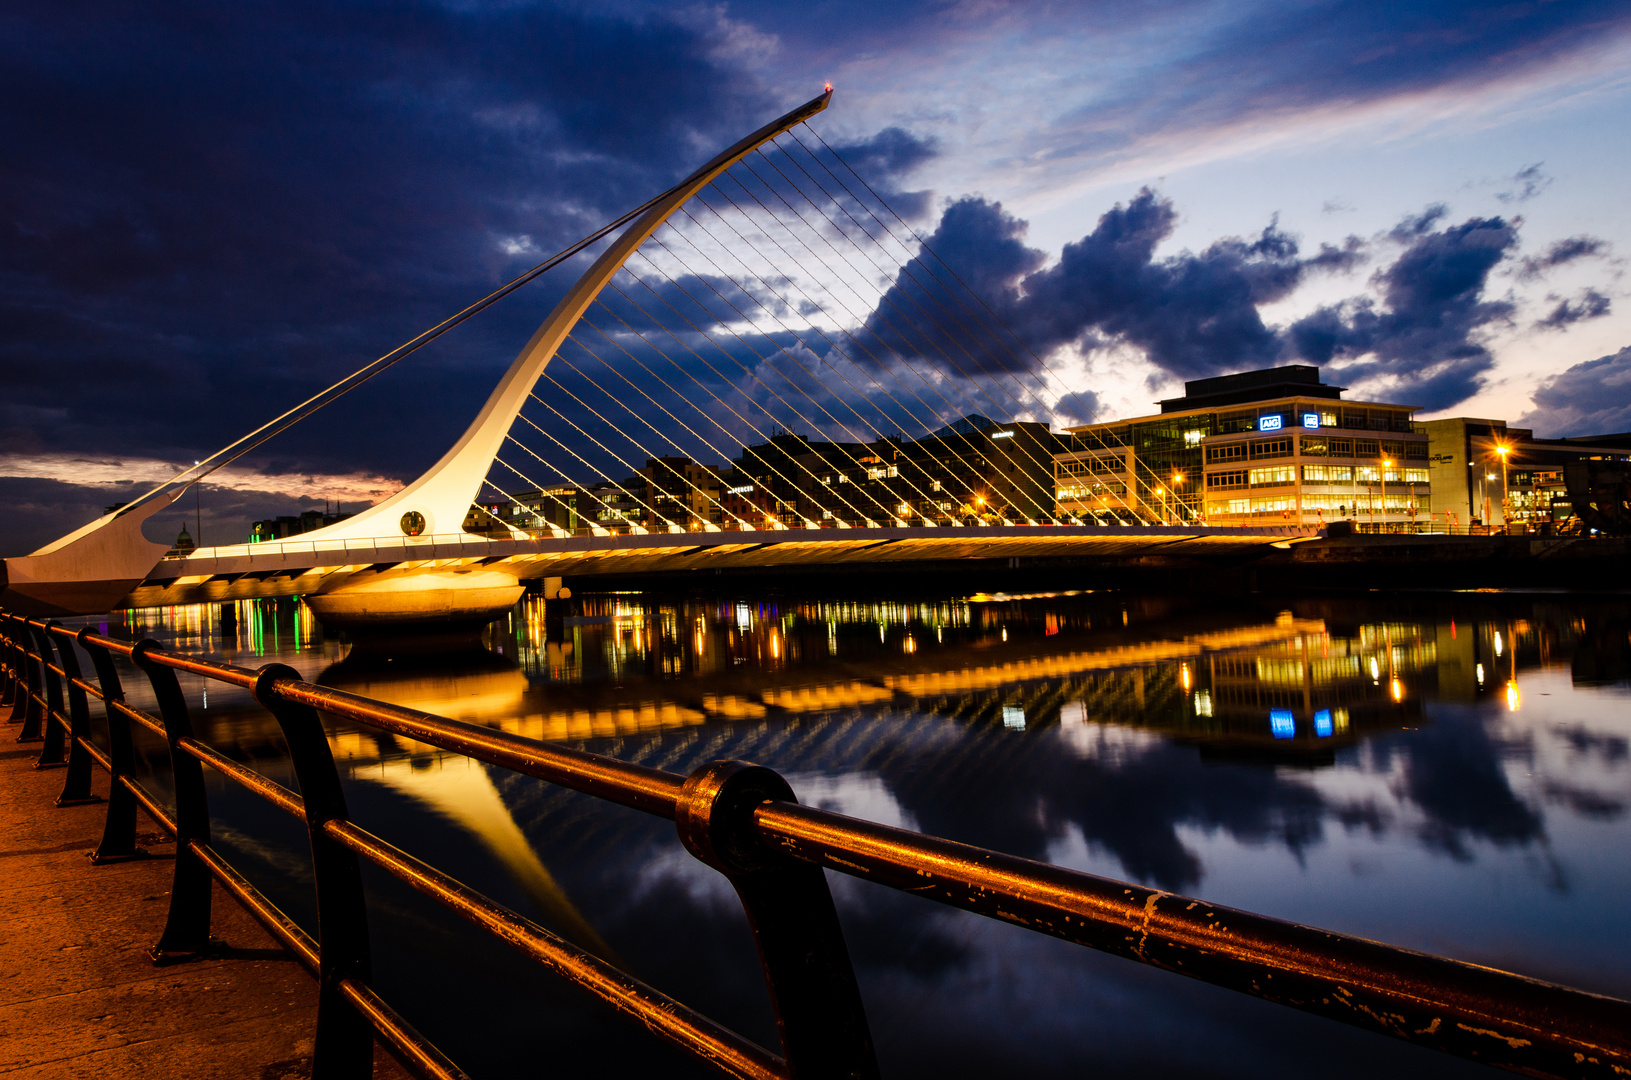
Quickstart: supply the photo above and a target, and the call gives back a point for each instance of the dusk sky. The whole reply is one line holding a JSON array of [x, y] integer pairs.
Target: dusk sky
[[210, 212]]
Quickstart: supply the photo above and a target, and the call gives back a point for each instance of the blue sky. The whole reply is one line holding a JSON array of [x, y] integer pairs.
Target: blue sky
[[210, 212]]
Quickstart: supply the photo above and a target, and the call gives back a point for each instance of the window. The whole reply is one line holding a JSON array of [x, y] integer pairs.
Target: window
[[1367, 474], [1394, 450], [876, 472], [935, 485], [1328, 474], [1416, 451], [1227, 452], [1353, 418], [1367, 448], [1237, 421], [1341, 447], [1270, 448], [1415, 476], [1328, 418], [1226, 479], [1193, 438], [1275, 476], [892, 470], [1223, 508], [1312, 446]]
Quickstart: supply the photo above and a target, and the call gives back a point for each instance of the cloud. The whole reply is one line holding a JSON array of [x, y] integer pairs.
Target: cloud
[[1590, 305], [1191, 314], [1592, 398], [1527, 183], [98, 470], [1561, 253], [1423, 338]]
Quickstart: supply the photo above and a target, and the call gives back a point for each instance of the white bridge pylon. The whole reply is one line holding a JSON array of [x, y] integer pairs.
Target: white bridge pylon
[[443, 495]]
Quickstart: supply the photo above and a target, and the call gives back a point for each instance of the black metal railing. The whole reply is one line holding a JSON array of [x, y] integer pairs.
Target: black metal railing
[[744, 821]]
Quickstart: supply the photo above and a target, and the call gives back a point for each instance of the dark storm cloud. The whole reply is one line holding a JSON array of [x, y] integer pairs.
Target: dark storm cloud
[[1591, 304], [250, 206], [1561, 253], [1191, 314], [1593, 398], [1424, 335]]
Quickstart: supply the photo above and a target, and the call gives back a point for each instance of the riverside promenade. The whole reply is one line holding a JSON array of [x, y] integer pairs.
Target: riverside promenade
[[79, 996]]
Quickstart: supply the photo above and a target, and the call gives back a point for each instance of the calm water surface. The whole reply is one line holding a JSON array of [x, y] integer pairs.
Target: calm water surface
[[1447, 772]]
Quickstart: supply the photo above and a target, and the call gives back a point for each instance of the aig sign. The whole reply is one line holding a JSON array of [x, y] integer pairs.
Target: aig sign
[[1270, 423], [1311, 419]]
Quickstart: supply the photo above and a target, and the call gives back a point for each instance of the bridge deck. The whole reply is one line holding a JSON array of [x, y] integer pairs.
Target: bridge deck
[[294, 567], [79, 996]]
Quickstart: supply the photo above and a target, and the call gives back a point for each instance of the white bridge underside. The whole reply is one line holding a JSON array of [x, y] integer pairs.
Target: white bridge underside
[[295, 569]]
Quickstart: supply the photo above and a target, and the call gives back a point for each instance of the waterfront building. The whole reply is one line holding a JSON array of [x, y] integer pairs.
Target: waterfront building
[[1248, 448], [1486, 473]]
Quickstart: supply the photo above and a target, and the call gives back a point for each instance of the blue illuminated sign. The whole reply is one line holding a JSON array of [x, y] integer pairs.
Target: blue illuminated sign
[[1311, 419], [1322, 723], [1281, 723], [1270, 423]]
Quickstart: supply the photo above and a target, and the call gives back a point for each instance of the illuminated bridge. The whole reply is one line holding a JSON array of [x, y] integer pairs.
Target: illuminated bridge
[[771, 290]]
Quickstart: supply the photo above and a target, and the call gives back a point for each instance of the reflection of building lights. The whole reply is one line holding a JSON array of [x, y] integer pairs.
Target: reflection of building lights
[[1184, 677], [1281, 724], [1375, 669], [1397, 689], [1478, 670], [1498, 643], [1512, 696], [775, 645], [1013, 718], [1203, 703], [1322, 723], [910, 644], [1005, 633]]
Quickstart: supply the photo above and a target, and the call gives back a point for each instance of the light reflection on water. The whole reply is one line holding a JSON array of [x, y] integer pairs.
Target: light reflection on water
[[1446, 773]]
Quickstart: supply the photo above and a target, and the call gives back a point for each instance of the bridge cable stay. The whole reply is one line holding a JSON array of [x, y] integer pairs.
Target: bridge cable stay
[[630, 410], [901, 270], [327, 396], [608, 365], [745, 370], [723, 510], [680, 368], [891, 511], [655, 513], [929, 428], [923, 246], [1046, 466], [833, 345]]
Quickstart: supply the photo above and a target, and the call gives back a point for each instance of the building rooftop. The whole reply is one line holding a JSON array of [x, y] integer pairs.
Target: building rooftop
[[1300, 380]]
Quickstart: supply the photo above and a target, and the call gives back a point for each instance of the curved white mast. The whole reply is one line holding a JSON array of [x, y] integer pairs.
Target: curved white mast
[[444, 494]]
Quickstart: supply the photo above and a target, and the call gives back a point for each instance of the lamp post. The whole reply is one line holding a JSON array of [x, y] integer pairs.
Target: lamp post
[[1177, 482], [1501, 450], [1163, 493]]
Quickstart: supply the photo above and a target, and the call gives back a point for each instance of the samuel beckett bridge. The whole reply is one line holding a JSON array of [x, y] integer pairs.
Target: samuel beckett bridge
[[778, 368]]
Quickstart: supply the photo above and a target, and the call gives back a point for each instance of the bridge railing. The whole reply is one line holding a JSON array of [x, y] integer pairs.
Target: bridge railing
[[744, 821]]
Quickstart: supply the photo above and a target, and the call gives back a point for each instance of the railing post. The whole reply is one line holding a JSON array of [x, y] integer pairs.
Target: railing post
[[8, 658], [187, 928], [76, 786], [34, 684], [53, 722], [819, 1013], [119, 829], [345, 1040]]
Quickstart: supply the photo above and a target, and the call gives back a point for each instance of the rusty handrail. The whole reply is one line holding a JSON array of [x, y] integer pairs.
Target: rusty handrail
[[744, 821]]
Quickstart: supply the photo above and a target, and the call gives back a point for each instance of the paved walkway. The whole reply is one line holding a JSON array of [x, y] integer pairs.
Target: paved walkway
[[79, 996]]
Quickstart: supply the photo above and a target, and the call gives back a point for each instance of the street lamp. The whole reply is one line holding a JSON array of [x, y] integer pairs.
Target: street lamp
[[1177, 482], [1502, 449], [1163, 493]]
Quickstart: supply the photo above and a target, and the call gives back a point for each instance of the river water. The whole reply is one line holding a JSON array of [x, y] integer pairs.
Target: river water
[[1447, 772]]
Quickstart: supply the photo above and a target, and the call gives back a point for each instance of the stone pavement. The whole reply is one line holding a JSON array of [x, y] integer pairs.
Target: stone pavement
[[78, 995]]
